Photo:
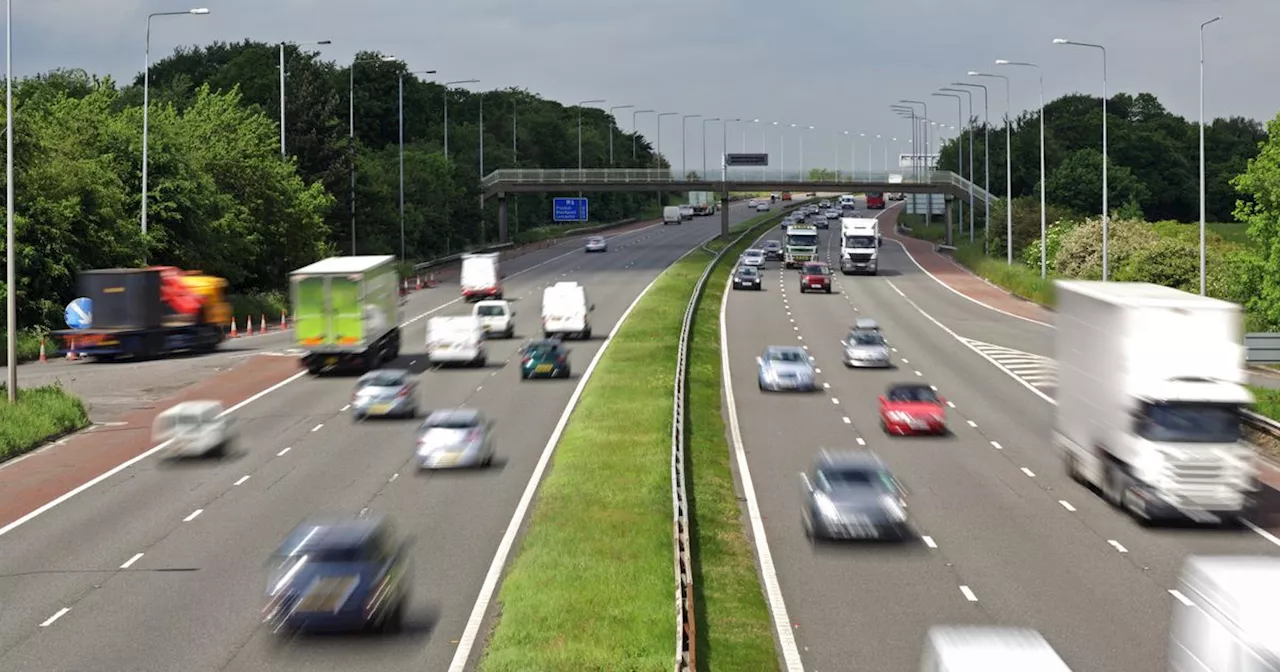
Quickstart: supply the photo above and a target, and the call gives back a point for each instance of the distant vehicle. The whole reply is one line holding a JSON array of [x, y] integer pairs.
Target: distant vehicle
[[747, 277], [347, 313], [859, 245], [596, 244], [852, 495], [786, 195], [456, 340], [686, 212], [895, 195], [194, 429], [762, 207], [866, 324], [772, 250], [875, 200], [671, 215], [813, 209], [786, 367], [339, 575], [496, 318], [957, 648], [546, 358], [1227, 622], [752, 203], [848, 202], [822, 205], [815, 277], [455, 439], [865, 348], [566, 311], [912, 408], [753, 257], [480, 277], [832, 214], [385, 393]]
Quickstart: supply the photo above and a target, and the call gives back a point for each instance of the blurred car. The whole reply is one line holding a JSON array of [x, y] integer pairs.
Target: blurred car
[[747, 277], [786, 367], [865, 348], [544, 358], [831, 214], [866, 324], [812, 209], [912, 408], [852, 495], [753, 257], [823, 205], [385, 393], [339, 575], [815, 276], [453, 439], [762, 206], [597, 244], [752, 203], [194, 429], [686, 212], [772, 250]]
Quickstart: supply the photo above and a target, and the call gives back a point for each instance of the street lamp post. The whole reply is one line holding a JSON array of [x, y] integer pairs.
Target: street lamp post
[[657, 159], [970, 118], [959, 144], [986, 170], [1043, 244], [284, 155], [1106, 211], [579, 106], [146, 124], [635, 131], [928, 208], [704, 144], [11, 261], [611, 118], [1202, 199], [684, 141], [351, 133], [446, 110], [400, 98], [1008, 165]]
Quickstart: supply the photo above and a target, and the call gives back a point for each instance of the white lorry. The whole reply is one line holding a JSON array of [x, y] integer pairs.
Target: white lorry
[[565, 311], [480, 278], [954, 648], [1224, 619], [671, 215], [859, 245], [456, 340], [1149, 400]]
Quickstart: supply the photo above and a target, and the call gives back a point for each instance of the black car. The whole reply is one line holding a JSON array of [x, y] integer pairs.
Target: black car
[[852, 495], [772, 250], [747, 277]]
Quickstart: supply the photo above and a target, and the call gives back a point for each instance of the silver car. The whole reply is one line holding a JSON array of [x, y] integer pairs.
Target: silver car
[[786, 367], [812, 209], [762, 206], [456, 438], [865, 324], [753, 257], [385, 393], [852, 495], [597, 244], [832, 214], [865, 349]]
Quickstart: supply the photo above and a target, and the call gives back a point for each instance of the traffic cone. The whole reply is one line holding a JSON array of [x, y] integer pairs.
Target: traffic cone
[[418, 281], [248, 326], [71, 352], [284, 324], [263, 321], [234, 334], [43, 359]]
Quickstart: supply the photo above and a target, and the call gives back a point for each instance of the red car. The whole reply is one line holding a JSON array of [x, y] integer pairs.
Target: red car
[[875, 201], [815, 277], [912, 408]]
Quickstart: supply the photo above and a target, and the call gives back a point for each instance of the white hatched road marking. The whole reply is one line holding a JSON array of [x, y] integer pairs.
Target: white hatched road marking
[[1037, 371]]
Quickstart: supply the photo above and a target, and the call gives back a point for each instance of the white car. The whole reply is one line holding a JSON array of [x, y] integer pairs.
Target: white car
[[194, 429], [752, 203], [597, 244], [686, 212], [753, 257], [763, 206], [832, 214]]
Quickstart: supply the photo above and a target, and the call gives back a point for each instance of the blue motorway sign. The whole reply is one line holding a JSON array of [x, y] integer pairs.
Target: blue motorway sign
[[569, 209], [79, 313]]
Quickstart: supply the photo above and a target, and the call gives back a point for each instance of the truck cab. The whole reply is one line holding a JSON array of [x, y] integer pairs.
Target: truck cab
[[801, 245], [859, 245], [875, 200]]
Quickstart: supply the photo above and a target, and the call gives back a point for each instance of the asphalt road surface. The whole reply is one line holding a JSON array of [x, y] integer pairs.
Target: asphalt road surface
[[1004, 536], [161, 566]]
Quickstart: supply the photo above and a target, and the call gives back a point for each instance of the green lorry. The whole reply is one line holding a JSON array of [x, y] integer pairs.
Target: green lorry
[[347, 312]]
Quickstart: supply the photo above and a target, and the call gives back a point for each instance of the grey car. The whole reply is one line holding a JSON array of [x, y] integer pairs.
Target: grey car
[[852, 495], [597, 244], [772, 250], [865, 348], [753, 257], [865, 324], [786, 367], [385, 393], [457, 438]]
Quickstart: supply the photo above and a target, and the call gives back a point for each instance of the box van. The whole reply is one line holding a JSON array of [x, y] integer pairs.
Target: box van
[[671, 215], [480, 278], [496, 317], [848, 202], [565, 311], [988, 649], [456, 340], [194, 429]]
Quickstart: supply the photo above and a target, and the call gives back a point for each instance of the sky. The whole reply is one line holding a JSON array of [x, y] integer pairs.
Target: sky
[[836, 65]]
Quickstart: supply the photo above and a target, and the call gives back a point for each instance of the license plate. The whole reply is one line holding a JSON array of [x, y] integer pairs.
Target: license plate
[[331, 360], [328, 594], [446, 460], [380, 408], [543, 368], [815, 285]]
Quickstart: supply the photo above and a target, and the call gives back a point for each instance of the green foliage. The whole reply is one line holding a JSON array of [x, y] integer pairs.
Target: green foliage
[[1026, 223], [40, 414], [1260, 183], [1052, 243], [1021, 280], [1268, 402], [1076, 184], [1079, 254]]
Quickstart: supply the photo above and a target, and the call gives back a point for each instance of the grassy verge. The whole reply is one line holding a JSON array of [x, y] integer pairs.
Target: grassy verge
[[40, 414], [1018, 278], [935, 231], [28, 346], [591, 587], [1268, 402], [258, 304]]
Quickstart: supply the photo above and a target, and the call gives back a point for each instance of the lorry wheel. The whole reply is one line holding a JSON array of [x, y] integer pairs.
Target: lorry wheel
[[587, 334], [1114, 484]]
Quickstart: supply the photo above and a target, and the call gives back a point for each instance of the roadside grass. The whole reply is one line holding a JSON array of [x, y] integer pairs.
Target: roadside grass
[[592, 585], [1019, 279], [40, 414], [28, 345], [256, 305], [1268, 402], [935, 231]]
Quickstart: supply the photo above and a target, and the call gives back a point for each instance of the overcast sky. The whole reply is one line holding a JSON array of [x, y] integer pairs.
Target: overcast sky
[[835, 64]]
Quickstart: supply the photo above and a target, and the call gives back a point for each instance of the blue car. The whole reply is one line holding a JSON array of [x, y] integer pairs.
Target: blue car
[[339, 576]]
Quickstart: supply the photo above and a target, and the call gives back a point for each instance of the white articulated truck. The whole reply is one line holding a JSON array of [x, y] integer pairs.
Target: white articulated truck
[[859, 245], [1150, 400], [1224, 619]]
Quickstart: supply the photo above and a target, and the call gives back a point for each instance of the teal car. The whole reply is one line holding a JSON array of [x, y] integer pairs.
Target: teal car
[[545, 358]]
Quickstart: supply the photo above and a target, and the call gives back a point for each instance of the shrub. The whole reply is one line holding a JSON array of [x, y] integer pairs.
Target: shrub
[[1080, 252]]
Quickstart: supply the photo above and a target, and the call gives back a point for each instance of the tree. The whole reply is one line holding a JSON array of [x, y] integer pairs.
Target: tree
[[1076, 184], [1260, 183]]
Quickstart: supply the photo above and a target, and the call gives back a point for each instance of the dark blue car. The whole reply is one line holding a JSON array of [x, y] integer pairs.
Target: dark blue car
[[339, 576]]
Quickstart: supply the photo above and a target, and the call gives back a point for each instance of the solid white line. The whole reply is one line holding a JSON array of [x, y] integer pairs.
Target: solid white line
[[968, 593], [996, 445], [317, 427], [1066, 505], [472, 630], [768, 572], [49, 621], [1028, 472], [928, 541], [286, 449], [129, 563], [1117, 546], [241, 480], [1177, 594], [194, 514], [134, 460]]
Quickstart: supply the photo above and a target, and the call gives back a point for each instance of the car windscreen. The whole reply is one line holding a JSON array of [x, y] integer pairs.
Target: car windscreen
[[452, 422], [802, 239], [913, 394], [490, 311], [786, 356], [853, 477], [383, 380], [772, 245], [865, 338], [1190, 423], [815, 269], [748, 272]]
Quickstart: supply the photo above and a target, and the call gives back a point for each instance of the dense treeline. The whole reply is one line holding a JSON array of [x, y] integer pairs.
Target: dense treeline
[[221, 198]]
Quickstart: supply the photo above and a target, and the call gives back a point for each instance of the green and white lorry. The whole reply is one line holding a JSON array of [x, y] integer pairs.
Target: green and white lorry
[[347, 312], [801, 245]]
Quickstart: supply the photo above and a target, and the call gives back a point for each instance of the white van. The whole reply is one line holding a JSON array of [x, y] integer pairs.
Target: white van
[[194, 429], [848, 202], [686, 211], [480, 278], [455, 340], [566, 311], [988, 649], [671, 215], [496, 317]]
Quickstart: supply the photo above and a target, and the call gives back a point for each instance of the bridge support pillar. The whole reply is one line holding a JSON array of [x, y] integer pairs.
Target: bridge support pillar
[[503, 232], [949, 215], [724, 215]]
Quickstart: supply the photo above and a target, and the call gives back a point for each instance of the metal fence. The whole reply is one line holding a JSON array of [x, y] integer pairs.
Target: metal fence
[[1262, 348]]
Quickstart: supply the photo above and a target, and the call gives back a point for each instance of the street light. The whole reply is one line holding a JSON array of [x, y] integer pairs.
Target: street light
[[146, 122], [852, 167], [684, 139], [283, 155], [1106, 212], [351, 133], [802, 129], [657, 159], [908, 112], [400, 98], [704, 145], [1202, 226], [1008, 165], [11, 262], [970, 118], [782, 149], [615, 107], [1043, 244], [986, 170], [579, 106], [959, 145], [446, 110], [635, 131]]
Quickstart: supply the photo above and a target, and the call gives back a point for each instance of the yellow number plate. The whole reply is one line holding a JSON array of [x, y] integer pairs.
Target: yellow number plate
[[380, 408], [543, 368]]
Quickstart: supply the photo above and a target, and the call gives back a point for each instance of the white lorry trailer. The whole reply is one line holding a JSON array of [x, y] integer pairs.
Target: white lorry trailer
[[1150, 400], [480, 277], [954, 648], [859, 245], [1224, 618]]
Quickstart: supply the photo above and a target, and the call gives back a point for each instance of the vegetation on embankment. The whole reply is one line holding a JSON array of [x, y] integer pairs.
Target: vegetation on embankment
[[40, 415]]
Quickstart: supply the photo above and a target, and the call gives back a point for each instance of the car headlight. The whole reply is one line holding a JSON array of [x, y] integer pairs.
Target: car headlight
[[893, 508], [825, 506]]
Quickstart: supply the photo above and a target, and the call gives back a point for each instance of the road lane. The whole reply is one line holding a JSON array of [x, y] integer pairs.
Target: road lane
[[122, 619]]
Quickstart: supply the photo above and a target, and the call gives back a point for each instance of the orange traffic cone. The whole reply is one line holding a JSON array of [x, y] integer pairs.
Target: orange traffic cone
[[418, 282], [234, 333], [248, 326], [43, 359], [71, 352], [262, 321], [284, 323]]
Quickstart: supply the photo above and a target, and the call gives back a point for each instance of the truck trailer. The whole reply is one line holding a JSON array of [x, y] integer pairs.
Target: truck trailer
[[1150, 398], [143, 313], [1224, 618], [347, 313]]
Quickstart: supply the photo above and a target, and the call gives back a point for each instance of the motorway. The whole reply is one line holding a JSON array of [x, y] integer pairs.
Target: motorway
[[160, 567], [1004, 536]]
